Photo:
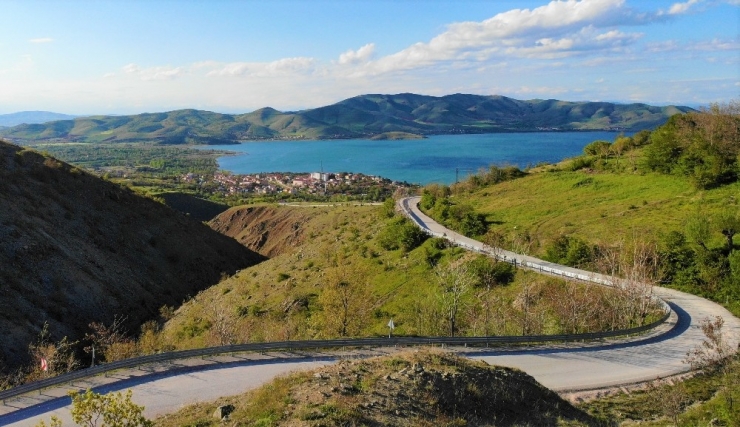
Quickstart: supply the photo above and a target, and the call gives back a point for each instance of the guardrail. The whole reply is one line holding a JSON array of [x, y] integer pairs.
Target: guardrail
[[520, 261], [316, 345], [525, 261]]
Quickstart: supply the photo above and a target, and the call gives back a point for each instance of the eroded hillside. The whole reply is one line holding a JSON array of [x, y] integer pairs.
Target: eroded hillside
[[268, 230], [77, 249]]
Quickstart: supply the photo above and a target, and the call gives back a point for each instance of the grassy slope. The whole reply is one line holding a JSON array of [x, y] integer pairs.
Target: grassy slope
[[333, 239], [598, 207], [283, 298]]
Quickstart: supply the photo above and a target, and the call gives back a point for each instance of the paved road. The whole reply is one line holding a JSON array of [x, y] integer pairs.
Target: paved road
[[560, 367], [577, 369]]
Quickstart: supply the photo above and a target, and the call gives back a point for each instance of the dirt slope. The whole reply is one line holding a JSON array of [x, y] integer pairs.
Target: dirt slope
[[269, 230], [76, 249]]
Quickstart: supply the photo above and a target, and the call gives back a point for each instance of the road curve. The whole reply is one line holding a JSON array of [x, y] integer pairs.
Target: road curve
[[608, 365], [560, 367]]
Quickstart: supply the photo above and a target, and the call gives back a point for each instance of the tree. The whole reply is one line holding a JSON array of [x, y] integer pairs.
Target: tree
[[530, 316], [455, 284], [389, 208], [110, 341], [90, 409], [223, 323], [345, 302], [401, 233]]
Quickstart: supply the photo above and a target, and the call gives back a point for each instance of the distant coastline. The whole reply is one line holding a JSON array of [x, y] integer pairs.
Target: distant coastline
[[403, 116]]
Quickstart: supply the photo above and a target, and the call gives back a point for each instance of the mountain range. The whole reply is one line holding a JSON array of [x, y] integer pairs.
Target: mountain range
[[365, 116], [31, 117]]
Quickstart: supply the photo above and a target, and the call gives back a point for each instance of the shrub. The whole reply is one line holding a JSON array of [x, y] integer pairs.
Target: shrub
[[401, 233]]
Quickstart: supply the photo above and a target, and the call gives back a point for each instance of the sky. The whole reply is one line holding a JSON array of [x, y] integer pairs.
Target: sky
[[230, 56]]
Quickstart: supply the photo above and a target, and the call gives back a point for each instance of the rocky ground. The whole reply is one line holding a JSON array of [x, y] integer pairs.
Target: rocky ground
[[421, 388]]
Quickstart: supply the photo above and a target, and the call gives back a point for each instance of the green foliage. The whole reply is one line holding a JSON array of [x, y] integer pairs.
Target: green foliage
[[489, 272], [579, 163], [597, 148], [493, 175], [701, 146], [401, 233], [90, 409], [142, 159], [461, 217], [569, 250], [389, 208]]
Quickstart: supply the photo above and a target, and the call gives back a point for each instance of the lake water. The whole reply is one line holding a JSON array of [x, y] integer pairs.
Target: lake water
[[422, 161]]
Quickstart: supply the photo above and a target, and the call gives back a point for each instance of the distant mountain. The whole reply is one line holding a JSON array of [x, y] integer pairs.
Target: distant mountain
[[363, 116], [31, 117], [78, 249]]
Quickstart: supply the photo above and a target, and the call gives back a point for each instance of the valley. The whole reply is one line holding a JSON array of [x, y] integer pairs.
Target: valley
[[343, 271]]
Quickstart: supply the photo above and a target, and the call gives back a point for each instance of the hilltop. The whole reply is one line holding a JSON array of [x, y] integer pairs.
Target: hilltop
[[78, 249], [366, 116], [423, 388]]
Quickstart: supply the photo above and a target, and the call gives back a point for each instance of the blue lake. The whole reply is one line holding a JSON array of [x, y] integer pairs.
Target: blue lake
[[423, 161]]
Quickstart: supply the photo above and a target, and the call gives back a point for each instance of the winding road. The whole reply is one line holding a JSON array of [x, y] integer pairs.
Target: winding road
[[562, 367]]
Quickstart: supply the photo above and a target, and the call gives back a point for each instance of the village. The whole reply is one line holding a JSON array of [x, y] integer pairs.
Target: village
[[312, 185]]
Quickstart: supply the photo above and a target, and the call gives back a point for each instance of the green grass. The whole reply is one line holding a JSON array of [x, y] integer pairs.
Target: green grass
[[598, 207], [289, 296]]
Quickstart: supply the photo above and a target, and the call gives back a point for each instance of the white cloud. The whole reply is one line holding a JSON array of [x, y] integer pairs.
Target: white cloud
[[714, 45], [41, 40], [681, 8], [281, 67], [154, 73], [360, 55], [558, 29]]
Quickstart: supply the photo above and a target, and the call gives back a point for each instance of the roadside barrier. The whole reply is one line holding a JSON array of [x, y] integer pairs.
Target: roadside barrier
[[317, 345]]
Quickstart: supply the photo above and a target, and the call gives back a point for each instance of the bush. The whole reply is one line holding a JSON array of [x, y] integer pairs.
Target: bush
[[488, 271], [569, 250], [401, 233]]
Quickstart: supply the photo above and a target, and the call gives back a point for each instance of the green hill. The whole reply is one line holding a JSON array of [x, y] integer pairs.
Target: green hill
[[359, 117]]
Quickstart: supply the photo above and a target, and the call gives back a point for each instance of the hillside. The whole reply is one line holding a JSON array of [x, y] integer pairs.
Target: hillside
[[265, 229], [363, 116], [424, 388], [77, 249], [670, 193]]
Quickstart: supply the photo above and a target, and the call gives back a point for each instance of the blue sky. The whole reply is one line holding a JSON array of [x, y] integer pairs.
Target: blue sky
[[124, 57]]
